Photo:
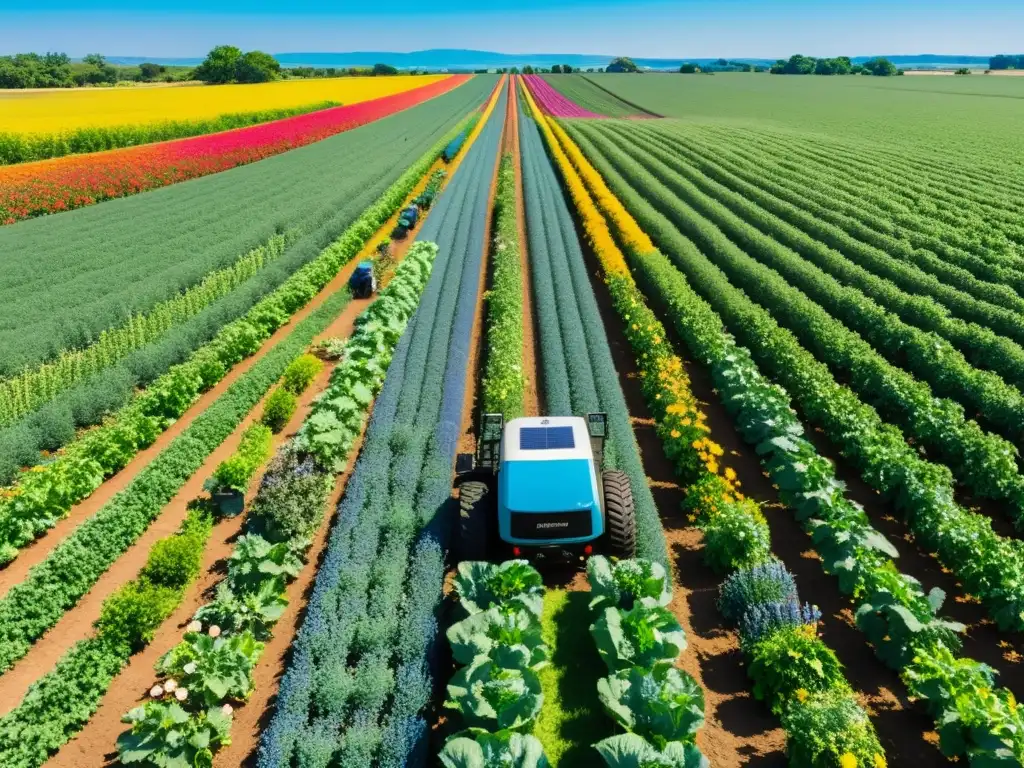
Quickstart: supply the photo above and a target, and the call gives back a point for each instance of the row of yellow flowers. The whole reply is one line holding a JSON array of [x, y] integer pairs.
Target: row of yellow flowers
[[712, 487]]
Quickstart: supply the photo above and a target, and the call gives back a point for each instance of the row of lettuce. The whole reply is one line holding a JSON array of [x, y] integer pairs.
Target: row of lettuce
[[45, 494], [363, 663], [977, 720]]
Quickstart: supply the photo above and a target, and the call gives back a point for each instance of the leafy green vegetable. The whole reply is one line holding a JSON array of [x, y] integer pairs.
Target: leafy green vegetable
[[822, 727], [505, 749], [254, 612], [631, 751], [626, 582], [481, 633], [213, 669], [255, 560], [662, 704], [790, 660], [896, 632], [491, 697], [165, 735], [639, 637], [481, 585]]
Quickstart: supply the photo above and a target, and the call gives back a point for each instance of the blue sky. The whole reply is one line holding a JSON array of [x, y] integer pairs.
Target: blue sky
[[649, 28]]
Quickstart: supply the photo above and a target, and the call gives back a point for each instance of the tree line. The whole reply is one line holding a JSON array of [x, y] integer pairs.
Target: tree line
[[840, 65], [224, 64], [1006, 62]]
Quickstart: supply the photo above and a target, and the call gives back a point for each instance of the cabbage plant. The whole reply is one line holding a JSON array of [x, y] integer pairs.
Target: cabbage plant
[[164, 734], [627, 582], [640, 637], [481, 633], [505, 749], [631, 751], [481, 585], [212, 668], [494, 697], [662, 704]]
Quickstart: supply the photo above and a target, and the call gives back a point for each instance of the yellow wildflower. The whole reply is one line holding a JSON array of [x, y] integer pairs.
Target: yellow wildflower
[[848, 761], [676, 434], [880, 761], [802, 694], [730, 474]]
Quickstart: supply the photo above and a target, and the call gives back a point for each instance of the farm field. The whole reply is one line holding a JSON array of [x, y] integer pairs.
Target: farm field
[[237, 527]]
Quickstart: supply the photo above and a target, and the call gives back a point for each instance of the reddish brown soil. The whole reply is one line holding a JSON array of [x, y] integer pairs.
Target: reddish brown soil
[[38, 551], [533, 401]]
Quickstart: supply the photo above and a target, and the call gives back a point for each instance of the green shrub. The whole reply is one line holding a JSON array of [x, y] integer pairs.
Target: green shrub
[[736, 536], [235, 472], [131, 615], [300, 373], [792, 663], [825, 727], [175, 561], [288, 505], [278, 410]]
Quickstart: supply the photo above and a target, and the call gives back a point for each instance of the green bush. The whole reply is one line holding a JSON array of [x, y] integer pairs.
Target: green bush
[[175, 561], [278, 409], [131, 615], [792, 663], [736, 536], [301, 372], [235, 472], [825, 727]]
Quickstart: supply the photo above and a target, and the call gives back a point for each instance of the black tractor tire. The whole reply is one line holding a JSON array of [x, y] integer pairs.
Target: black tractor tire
[[619, 514], [476, 520]]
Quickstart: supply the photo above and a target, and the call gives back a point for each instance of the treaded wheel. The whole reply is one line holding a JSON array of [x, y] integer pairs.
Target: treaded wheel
[[476, 507], [619, 515]]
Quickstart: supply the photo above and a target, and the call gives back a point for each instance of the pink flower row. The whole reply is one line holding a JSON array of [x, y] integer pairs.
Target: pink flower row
[[553, 102]]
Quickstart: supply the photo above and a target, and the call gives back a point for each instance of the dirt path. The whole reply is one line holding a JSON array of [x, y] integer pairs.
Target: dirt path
[[533, 401], [40, 549], [94, 745]]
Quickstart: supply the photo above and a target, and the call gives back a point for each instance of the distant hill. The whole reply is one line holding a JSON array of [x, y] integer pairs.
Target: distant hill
[[463, 59]]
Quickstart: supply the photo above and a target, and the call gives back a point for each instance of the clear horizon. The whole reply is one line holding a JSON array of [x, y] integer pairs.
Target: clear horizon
[[649, 29]]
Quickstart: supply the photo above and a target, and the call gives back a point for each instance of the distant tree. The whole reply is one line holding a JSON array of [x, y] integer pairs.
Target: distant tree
[[689, 69], [95, 70], [95, 59], [622, 64], [962, 71], [743, 66], [384, 69], [149, 71], [257, 67], [220, 65], [514, 70], [557, 69], [881, 67], [1006, 62], [567, 69], [590, 69], [797, 65], [722, 63], [527, 70], [760, 68]]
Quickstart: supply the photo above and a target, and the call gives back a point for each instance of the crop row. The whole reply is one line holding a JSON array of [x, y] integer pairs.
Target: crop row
[[359, 674], [927, 218], [29, 390], [552, 101], [800, 283], [899, 619], [72, 182], [68, 278], [926, 301], [504, 381], [990, 566], [44, 495], [579, 373], [210, 672], [29, 147], [63, 700], [984, 462], [735, 531]]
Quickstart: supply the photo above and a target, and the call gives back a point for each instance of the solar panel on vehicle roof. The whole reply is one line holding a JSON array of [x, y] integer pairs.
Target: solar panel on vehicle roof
[[545, 438]]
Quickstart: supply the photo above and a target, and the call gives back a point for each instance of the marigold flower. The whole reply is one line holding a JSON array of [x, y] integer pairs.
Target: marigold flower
[[880, 762], [676, 434], [848, 761]]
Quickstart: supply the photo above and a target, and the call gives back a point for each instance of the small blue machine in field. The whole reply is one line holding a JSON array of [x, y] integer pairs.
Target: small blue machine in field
[[536, 488], [363, 283]]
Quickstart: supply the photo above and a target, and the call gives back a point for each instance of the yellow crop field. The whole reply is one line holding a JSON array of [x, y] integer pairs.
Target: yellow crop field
[[54, 111]]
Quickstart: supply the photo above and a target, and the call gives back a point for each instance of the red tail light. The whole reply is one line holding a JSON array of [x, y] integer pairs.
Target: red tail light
[[588, 549], [516, 551]]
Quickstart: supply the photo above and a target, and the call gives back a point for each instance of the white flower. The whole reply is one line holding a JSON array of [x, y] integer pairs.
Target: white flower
[[195, 626], [181, 694], [156, 691], [170, 685], [214, 631], [190, 668], [226, 709]]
